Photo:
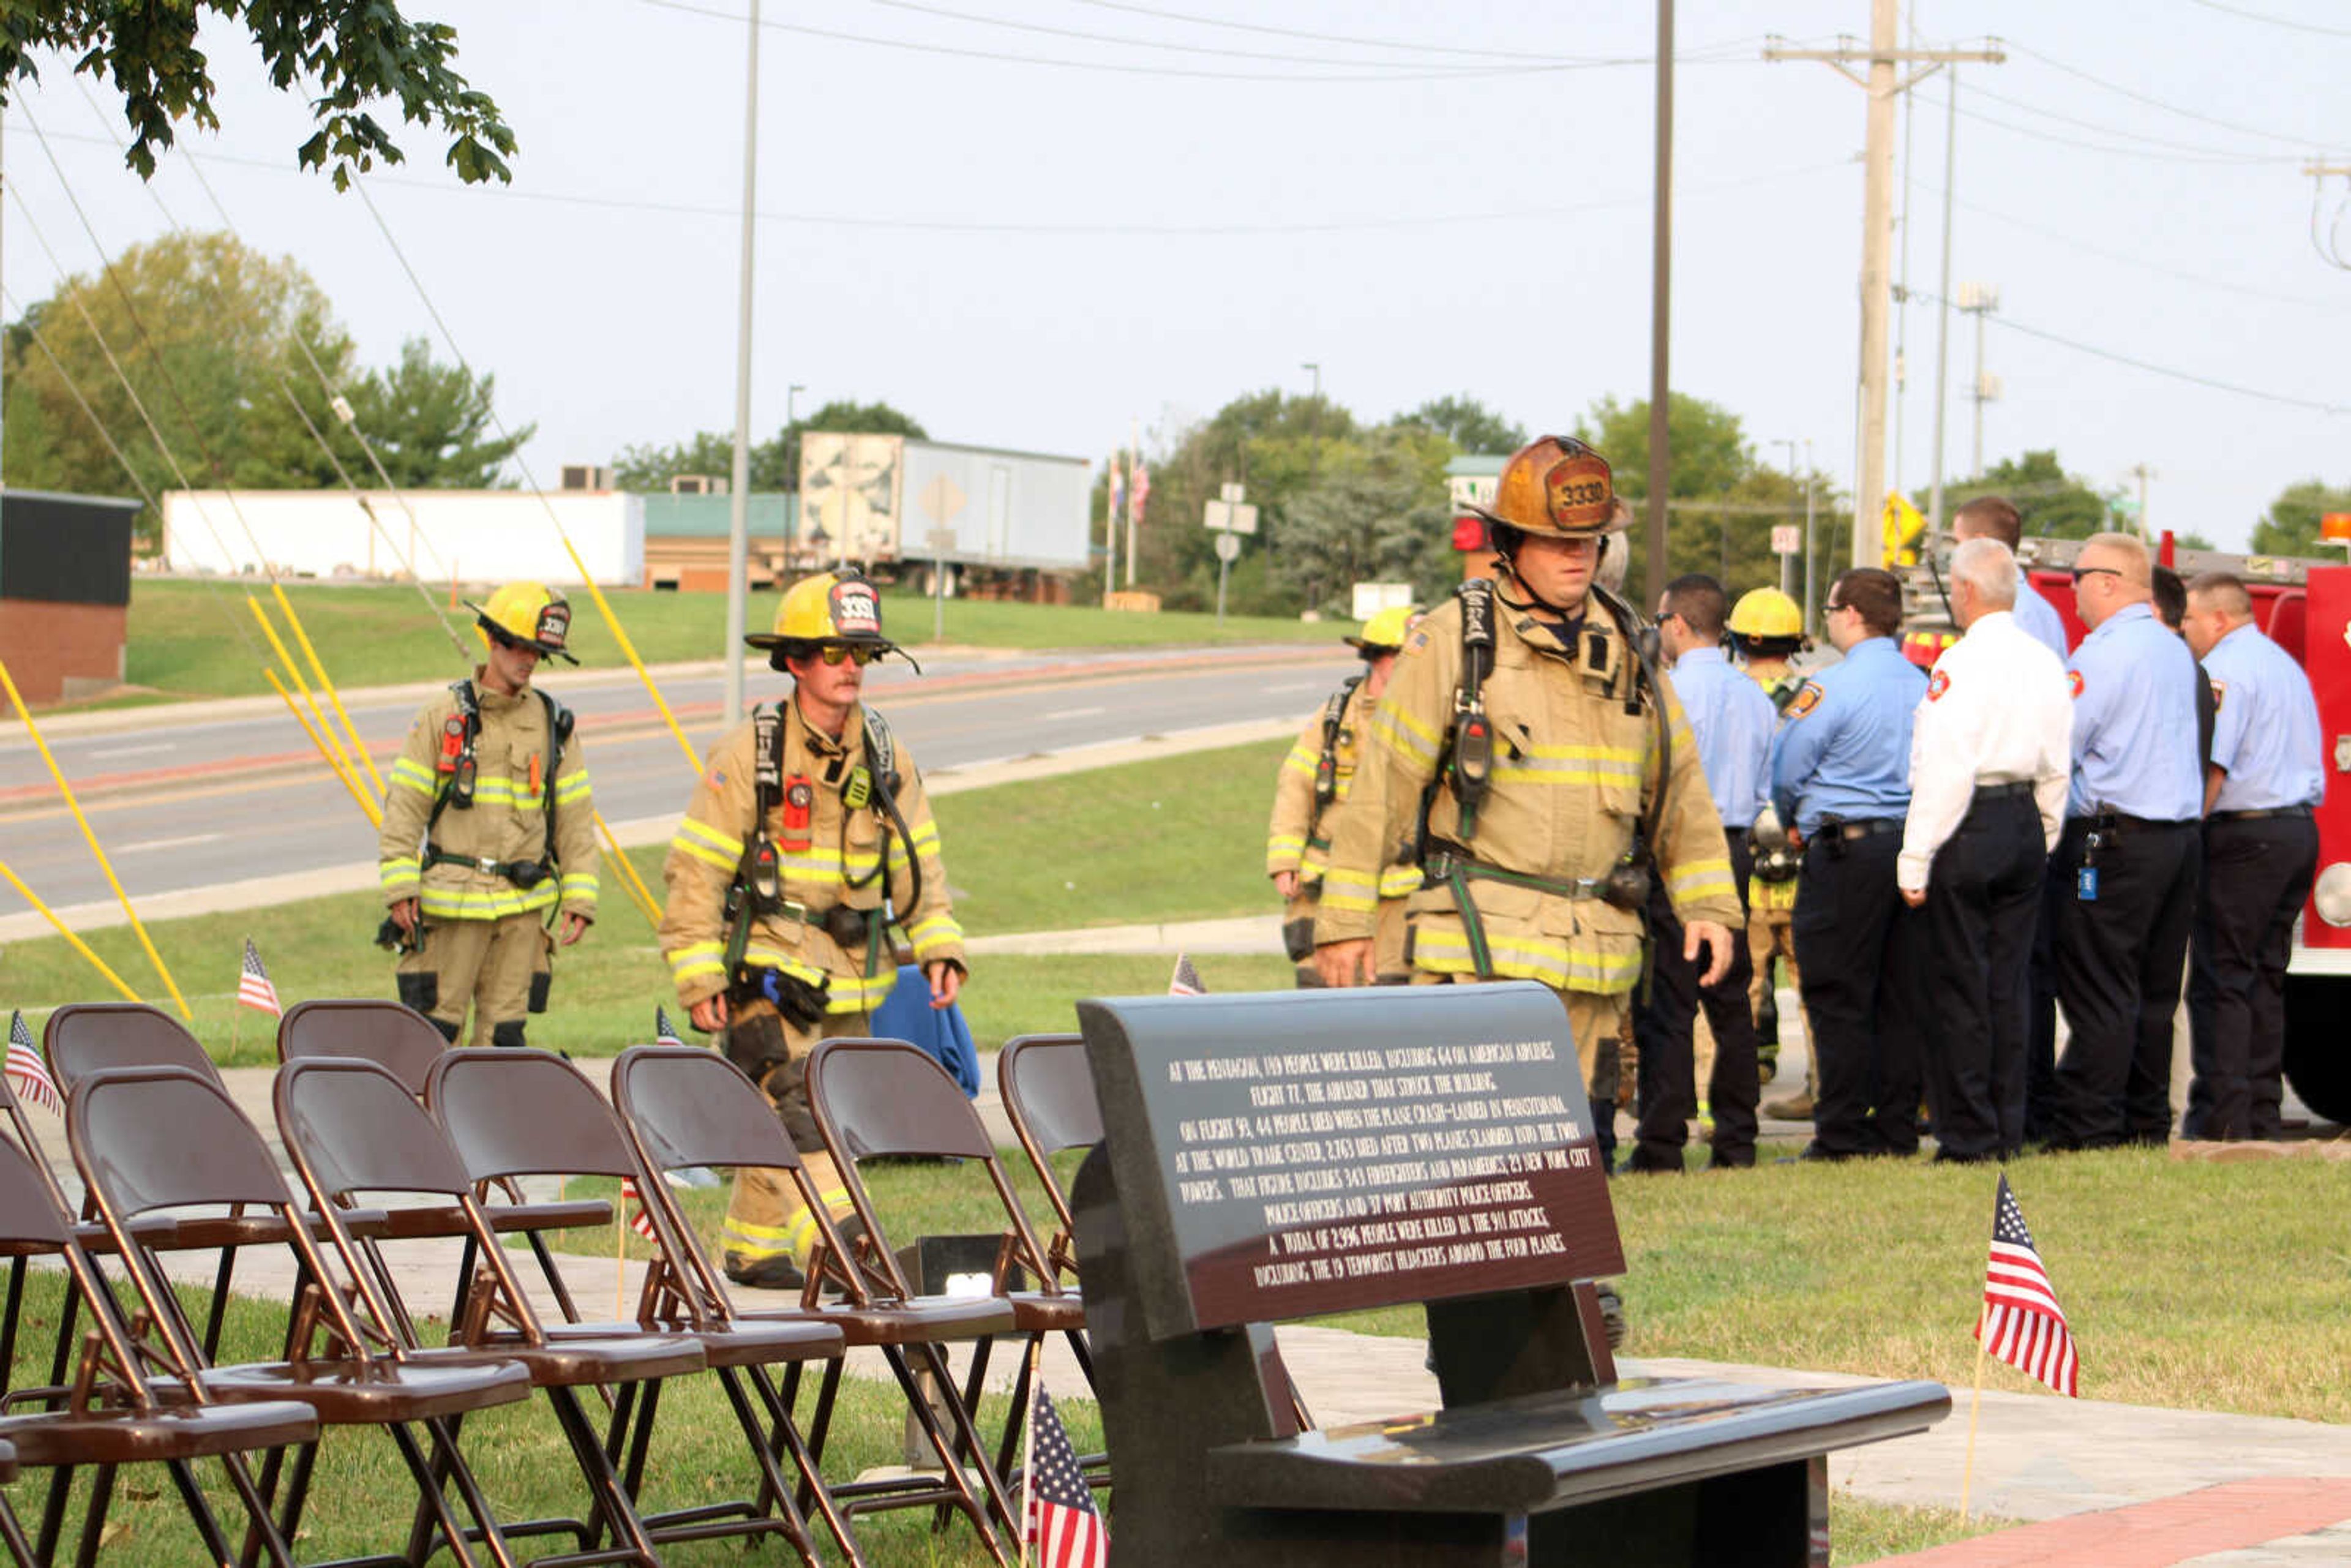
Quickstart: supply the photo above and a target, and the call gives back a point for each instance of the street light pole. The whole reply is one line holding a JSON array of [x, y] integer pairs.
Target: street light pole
[[738, 525]]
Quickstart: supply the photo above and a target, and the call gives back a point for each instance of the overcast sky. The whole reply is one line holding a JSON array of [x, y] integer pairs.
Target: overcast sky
[[1026, 225]]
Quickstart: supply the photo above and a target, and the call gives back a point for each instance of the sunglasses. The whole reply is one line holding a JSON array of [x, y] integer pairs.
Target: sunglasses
[[2082, 572], [1833, 609], [836, 653]]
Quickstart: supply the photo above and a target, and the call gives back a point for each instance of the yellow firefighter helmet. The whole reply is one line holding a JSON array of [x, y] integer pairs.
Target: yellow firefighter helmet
[[528, 616], [836, 608], [1766, 612], [1384, 632], [1557, 486]]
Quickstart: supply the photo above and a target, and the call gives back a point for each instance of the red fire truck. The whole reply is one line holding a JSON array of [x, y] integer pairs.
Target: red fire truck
[[2304, 606]]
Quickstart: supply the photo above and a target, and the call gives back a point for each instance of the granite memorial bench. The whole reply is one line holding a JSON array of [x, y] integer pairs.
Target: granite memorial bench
[[1278, 1156]]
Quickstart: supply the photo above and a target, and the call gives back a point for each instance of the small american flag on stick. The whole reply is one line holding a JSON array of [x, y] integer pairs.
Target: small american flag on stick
[[1186, 981], [665, 1032], [2021, 1322], [27, 1074], [1057, 1512], [253, 988], [639, 1220]]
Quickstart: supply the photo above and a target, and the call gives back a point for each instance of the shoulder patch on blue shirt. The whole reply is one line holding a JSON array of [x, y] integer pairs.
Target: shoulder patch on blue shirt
[[1807, 698], [2219, 694]]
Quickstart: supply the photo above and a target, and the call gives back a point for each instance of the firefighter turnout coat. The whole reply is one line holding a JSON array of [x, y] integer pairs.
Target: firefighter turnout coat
[[829, 853], [1299, 837], [516, 803], [1573, 775]]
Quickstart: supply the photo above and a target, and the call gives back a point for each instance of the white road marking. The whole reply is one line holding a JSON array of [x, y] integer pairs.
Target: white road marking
[[134, 750], [172, 843], [1074, 713], [1291, 687]]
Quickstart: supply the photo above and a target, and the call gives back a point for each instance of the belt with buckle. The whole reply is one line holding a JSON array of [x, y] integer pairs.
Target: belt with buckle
[[1860, 830], [2259, 813]]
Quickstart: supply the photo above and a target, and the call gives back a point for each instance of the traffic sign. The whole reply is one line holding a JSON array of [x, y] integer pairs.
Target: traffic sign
[[1229, 547], [941, 540], [1232, 492], [1231, 516], [1786, 538], [942, 499]]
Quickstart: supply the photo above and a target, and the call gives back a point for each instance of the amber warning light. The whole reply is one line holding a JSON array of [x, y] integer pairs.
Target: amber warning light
[[2334, 526]]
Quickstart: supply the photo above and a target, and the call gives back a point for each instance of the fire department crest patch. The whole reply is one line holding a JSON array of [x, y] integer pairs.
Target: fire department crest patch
[[2219, 694], [1937, 683], [2073, 679], [1806, 700]]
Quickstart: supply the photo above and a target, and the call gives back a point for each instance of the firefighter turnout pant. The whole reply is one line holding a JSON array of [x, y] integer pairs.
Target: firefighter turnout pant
[[501, 969], [765, 1215]]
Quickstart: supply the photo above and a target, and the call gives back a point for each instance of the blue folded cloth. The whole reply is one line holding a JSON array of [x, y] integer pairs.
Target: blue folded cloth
[[906, 1014]]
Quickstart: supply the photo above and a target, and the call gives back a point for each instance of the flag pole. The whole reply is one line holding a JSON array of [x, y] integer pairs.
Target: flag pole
[[1975, 1409], [1027, 1434], [237, 1006]]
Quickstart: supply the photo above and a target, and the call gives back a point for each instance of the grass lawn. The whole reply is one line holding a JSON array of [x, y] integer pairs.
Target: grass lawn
[[1011, 849], [197, 639]]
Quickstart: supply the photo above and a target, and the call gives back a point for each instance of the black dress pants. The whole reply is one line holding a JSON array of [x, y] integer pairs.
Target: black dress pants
[[2118, 963], [2257, 873], [1983, 900], [1854, 939], [1662, 1026]]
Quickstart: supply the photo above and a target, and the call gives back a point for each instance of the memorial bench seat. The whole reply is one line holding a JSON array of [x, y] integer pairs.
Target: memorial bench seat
[[1543, 1451]]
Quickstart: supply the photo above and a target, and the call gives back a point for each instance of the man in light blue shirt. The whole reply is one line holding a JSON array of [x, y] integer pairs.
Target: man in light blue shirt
[[1730, 723], [1995, 518], [2261, 853], [1841, 773], [2124, 871]]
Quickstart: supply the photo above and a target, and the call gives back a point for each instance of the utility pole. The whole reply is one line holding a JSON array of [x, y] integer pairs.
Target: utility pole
[[738, 514], [1787, 564], [1881, 56], [1980, 301], [1659, 481], [1943, 299]]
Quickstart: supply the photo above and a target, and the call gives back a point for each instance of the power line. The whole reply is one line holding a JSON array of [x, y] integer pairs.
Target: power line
[[2237, 159], [2273, 21], [1269, 30], [1068, 230], [1376, 74], [2009, 323], [2074, 242], [2206, 153], [2154, 102]]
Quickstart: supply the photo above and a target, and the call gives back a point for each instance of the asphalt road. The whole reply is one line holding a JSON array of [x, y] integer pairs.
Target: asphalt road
[[181, 803]]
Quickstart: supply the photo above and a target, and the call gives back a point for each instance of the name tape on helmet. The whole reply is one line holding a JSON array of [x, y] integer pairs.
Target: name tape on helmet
[[856, 611]]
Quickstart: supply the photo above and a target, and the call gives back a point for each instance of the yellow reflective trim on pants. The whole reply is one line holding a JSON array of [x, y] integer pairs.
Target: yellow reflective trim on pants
[[1553, 963]]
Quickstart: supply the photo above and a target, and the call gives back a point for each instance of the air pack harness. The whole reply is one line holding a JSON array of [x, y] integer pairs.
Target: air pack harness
[[465, 727], [757, 887], [1468, 763]]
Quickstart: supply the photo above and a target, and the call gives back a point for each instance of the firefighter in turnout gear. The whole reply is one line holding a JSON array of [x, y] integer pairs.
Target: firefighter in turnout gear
[[488, 831], [1311, 793], [1767, 630], [1548, 768], [807, 837]]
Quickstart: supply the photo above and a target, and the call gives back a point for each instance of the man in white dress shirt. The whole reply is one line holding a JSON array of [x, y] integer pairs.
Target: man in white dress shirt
[[1989, 761]]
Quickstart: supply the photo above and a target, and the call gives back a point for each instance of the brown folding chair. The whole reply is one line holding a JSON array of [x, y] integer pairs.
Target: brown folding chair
[[526, 1111], [1047, 1093], [885, 1099], [111, 1416], [683, 1107], [150, 1139], [406, 1043]]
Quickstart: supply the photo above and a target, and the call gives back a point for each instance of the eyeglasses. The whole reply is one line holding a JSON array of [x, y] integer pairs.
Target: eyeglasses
[[2082, 572], [1833, 609], [837, 652]]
